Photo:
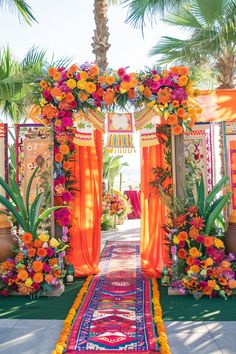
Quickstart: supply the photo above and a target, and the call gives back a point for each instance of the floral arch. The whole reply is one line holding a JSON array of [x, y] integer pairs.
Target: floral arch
[[61, 96]]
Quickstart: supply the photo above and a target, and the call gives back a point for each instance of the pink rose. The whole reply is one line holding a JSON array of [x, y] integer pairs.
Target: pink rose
[[126, 78], [50, 253], [65, 221], [67, 122], [121, 71], [67, 197], [61, 180]]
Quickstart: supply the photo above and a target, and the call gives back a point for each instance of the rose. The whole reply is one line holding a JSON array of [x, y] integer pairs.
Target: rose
[[54, 242]]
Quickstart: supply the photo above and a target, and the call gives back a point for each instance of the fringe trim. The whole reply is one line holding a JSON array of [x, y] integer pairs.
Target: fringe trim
[[64, 335], [162, 337]]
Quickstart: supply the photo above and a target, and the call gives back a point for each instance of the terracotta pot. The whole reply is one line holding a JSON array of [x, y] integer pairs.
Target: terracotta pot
[[230, 236], [7, 239]]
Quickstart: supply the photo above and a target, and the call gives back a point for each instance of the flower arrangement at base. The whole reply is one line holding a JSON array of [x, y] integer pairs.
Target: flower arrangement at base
[[203, 268], [116, 205], [37, 267]]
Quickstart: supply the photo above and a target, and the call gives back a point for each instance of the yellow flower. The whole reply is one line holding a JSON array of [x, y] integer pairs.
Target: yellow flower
[[54, 243], [218, 243], [81, 84], [141, 88], [83, 75], [122, 91], [151, 104], [43, 237], [110, 80], [90, 87], [29, 282], [166, 115], [42, 102], [176, 240], [71, 83]]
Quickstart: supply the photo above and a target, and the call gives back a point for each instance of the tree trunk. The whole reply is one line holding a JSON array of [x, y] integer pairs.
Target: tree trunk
[[101, 34], [225, 65], [180, 168]]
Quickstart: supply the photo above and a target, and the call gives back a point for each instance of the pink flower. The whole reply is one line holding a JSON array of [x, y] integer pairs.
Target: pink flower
[[65, 221], [61, 180], [181, 243], [50, 252], [77, 76], [67, 122], [61, 113], [200, 238], [72, 146], [36, 286], [67, 197], [64, 212], [61, 68], [46, 267], [121, 71], [126, 78], [4, 292], [73, 104]]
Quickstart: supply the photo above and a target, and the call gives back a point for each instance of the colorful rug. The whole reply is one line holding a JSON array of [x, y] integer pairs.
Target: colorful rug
[[116, 313]]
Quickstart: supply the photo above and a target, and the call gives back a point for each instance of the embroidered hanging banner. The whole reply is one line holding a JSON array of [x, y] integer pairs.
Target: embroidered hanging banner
[[3, 155], [143, 117], [148, 136], [83, 132], [120, 130]]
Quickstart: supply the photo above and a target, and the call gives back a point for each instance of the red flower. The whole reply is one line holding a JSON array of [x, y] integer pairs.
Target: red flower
[[197, 222]]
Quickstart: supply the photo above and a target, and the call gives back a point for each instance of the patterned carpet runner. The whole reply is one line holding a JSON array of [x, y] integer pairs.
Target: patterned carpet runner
[[116, 314]]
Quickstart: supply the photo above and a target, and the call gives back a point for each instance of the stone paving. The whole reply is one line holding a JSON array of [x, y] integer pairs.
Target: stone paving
[[40, 336]]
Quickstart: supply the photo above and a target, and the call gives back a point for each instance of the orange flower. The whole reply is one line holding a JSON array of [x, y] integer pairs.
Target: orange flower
[[204, 264], [27, 238], [69, 97], [101, 79], [71, 83], [208, 241], [184, 103], [19, 257], [110, 80], [131, 94], [147, 92], [31, 252], [37, 266], [83, 75], [58, 158], [175, 70], [49, 111], [53, 261], [225, 264], [190, 260], [211, 284], [175, 103], [193, 232], [43, 84], [183, 80], [83, 96], [66, 165], [48, 278], [184, 70], [64, 149], [22, 275], [177, 130], [100, 92], [90, 87], [183, 236], [172, 119], [194, 252], [94, 70], [38, 277], [181, 112], [52, 71], [223, 281], [207, 290], [195, 268], [69, 74], [232, 283], [182, 253], [164, 95], [73, 68], [218, 243], [37, 243], [209, 262], [108, 97], [57, 76], [41, 252]]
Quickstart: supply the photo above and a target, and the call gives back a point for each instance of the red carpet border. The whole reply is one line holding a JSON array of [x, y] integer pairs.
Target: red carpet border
[[117, 313]]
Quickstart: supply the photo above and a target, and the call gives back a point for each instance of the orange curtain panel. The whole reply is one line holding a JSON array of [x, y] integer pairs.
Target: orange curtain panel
[[154, 252], [86, 209]]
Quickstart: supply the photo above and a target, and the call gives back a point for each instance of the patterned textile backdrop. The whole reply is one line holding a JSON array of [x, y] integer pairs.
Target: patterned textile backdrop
[[230, 129], [34, 148], [198, 144], [3, 154]]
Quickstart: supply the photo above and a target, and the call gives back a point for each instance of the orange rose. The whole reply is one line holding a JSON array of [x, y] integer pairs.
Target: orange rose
[[83, 96], [181, 112], [184, 70], [66, 165], [175, 103], [108, 97], [94, 70], [52, 71], [71, 83], [48, 278], [172, 119], [27, 238], [225, 264], [37, 243], [194, 252], [195, 268], [183, 236], [204, 264], [232, 283], [31, 252], [37, 266], [90, 87], [22, 275], [83, 75], [177, 130], [208, 241], [69, 74], [211, 284], [38, 277], [190, 260], [41, 252], [73, 68], [58, 158], [101, 79], [57, 76], [182, 253], [110, 80], [100, 92], [64, 149], [69, 97], [183, 80], [207, 290], [209, 262]]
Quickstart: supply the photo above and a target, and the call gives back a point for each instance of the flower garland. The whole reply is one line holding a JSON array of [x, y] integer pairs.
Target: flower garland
[[64, 335], [162, 337]]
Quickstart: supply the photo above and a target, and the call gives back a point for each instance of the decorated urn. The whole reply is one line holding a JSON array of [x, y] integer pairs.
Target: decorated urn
[[230, 237], [7, 239]]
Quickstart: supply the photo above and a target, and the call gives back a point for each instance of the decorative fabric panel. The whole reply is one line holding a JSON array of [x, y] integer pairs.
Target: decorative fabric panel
[[3, 155]]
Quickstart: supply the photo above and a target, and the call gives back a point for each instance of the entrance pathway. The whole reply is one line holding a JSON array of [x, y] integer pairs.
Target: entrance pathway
[[199, 337]]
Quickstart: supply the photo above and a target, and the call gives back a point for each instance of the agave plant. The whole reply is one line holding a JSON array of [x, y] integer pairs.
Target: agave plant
[[27, 216], [210, 208]]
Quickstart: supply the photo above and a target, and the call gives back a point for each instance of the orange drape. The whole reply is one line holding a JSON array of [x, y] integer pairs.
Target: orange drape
[[154, 252], [85, 233]]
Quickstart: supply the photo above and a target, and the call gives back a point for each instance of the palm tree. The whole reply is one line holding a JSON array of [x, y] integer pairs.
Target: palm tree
[[212, 29], [111, 168], [21, 7]]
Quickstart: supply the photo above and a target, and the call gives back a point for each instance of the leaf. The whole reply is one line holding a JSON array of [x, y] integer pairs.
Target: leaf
[[14, 212], [217, 188], [8, 190], [43, 216], [201, 197], [35, 208], [216, 212], [29, 189], [20, 202]]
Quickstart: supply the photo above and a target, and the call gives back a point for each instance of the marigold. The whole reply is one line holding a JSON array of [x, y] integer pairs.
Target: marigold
[[64, 149], [172, 119], [31, 252], [181, 112], [183, 80], [183, 236], [58, 157], [27, 238], [70, 97], [90, 87], [108, 97], [193, 232], [71, 83], [37, 266], [52, 71], [22, 275], [41, 252], [110, 80], [94, 70], [177, 130], [38, 277], [83, 96], [83, 75], [190, 260], [194, 252], [218, 243], [182, 254], [208, 241], [195, 268]]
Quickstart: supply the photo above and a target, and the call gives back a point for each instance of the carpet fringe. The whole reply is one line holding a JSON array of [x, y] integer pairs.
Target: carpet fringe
[[65, 332], [161, 331]]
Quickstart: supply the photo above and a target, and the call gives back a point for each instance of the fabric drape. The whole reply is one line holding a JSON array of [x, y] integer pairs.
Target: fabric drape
[[154, 251], [86, 210], [134, 199]]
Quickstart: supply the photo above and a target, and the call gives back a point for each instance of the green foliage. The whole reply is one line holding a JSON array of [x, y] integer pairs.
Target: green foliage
[[112, 168], [28, 217], [22, 8], [107, 222]]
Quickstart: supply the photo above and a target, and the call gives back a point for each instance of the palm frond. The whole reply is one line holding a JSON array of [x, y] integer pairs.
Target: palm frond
[[21, 7]]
